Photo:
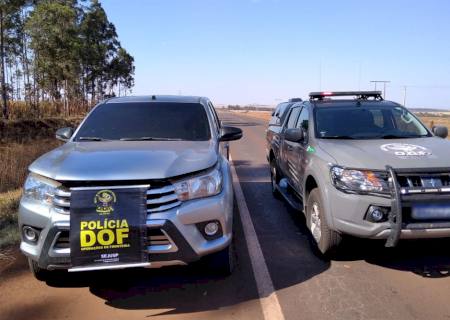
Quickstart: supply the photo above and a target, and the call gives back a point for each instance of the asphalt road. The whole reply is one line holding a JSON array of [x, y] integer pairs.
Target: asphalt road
[[365, 281]]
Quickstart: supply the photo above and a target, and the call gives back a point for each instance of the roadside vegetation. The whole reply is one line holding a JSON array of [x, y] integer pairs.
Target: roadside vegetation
[[21, 142], [9, 203], [58, 58]]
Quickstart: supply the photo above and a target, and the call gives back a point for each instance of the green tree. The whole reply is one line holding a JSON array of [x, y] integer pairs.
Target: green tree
[[53, 30], [121, 71], [9, 15], [99, 46]]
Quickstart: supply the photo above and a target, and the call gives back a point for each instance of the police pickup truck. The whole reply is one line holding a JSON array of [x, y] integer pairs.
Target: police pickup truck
[[359, 165]]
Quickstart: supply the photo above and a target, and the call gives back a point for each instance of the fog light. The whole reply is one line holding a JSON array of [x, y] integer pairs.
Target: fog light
[[377, 215], [30, 234], [211, 228]]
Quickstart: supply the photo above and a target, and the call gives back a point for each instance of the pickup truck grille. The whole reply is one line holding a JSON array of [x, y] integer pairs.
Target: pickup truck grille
[[159, 198], [414, 183]]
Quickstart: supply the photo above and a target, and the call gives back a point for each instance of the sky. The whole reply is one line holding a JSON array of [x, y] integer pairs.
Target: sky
[[267, 51]]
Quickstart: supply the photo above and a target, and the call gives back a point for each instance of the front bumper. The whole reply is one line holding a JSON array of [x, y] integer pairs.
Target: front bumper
[[180, 240], [348, 212]]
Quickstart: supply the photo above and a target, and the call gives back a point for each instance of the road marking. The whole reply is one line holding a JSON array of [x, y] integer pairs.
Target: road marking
[[267, 295]]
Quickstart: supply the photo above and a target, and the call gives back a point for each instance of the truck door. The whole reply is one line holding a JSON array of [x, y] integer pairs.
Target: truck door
[[285, 163], [298, 154]]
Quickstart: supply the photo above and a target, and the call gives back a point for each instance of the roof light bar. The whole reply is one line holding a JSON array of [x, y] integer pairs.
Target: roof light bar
[[363, 95]]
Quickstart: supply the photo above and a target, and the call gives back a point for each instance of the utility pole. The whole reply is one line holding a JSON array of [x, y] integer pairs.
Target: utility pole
[[404, 95], [384, 85]]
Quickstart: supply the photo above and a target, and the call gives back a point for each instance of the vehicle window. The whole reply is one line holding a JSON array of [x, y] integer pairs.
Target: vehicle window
[[303, 119], [371, 122], [378, 118], [159, 120], [405, 121], [284, 112], [277, 110], [292, 118]]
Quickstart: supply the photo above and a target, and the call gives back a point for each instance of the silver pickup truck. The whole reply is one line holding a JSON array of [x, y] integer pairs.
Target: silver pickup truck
[[142, 182], [359, 165]]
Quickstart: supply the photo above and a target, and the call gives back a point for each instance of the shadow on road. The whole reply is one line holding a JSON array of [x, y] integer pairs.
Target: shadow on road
[[193, 288], [425, 257]]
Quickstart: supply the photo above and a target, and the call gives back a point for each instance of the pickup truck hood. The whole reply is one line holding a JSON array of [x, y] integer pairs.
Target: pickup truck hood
[[125, 160], [426, 152]]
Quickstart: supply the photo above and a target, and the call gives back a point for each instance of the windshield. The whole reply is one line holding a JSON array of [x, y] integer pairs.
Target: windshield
[[146, 121], [367, 122]]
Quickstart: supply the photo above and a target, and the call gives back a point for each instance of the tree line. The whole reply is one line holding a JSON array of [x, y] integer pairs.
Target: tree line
[[60, 52]]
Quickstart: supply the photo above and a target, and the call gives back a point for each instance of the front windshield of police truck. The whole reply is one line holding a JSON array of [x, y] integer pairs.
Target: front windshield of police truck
[[371, 122]]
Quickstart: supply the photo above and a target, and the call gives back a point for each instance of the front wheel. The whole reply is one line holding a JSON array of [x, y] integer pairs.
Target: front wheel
[[327, 240], [274, 178]]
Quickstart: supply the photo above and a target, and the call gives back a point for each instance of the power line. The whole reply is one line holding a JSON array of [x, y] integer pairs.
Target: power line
[[384, 85]]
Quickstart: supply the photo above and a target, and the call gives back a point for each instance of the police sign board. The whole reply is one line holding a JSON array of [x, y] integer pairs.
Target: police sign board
[[107, 227]]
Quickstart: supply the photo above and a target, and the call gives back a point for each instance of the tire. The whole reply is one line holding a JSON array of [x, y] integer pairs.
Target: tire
[[39, 273], [326, 240], [274, 178], [222, 262]]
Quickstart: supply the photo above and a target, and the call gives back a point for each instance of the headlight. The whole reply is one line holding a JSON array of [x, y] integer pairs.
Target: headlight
[[199, 187], [358, 180], [39, 188]]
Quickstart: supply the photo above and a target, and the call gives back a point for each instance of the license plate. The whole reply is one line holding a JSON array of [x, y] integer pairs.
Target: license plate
[[431, 211]]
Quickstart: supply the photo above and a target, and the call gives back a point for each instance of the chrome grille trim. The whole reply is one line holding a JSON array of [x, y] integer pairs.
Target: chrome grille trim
[[61, 202], [164, 207], [62, 193], [158, 199], [424, 182], [165, 189], [163, 199]]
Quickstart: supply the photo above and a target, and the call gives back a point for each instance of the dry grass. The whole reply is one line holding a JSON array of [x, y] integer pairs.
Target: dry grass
[[46, 109], [15, 159], [9, 203], [263, 115], [31, 129], [433, 121]]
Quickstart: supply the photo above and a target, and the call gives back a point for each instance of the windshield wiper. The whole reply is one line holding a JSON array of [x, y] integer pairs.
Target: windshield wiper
[[395, 136], [149, 139], [91, 139], [339, 137]]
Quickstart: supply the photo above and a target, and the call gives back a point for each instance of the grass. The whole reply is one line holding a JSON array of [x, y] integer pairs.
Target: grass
[[21, 142], [15, 159], [9, 203]]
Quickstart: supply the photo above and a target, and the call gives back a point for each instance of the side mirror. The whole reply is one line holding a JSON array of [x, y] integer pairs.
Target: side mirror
[[230, 133], [64, 134], [440, 131], [294, 135]]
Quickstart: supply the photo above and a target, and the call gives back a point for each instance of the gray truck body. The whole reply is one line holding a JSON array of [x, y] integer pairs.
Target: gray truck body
[[161, 164], [302, 166]]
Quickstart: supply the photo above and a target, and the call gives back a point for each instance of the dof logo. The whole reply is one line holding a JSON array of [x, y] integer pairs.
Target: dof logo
[[104, 200]]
